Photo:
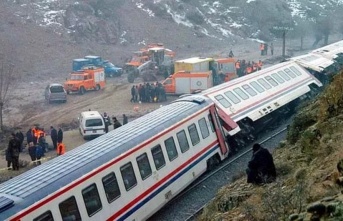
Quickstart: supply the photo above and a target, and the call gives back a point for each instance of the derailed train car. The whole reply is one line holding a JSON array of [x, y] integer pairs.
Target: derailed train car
[[259, 99], [323, 62]]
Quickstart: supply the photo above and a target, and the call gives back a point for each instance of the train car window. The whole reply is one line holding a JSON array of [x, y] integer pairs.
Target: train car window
[[47, 216], [264, 83], [69, 209], [157, 154], [295, 70], [203, 128], [183, 142], [92, 199], [128, 175], [256, 86], [271, 81], [278, 78], [223, 101], [241, 93], [211, 122], [232, 97], [144, 166], [111, 187], [284, 75], [171, 148], [248, 89], [193, 133], [290, 73]]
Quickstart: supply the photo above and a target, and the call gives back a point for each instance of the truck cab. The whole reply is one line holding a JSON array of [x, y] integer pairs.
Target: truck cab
[[111, 70], [79, 63], [225, 69]]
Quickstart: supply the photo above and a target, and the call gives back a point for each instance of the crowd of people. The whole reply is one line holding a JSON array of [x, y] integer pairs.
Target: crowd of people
[[36, 145], [246, 67], [147, 92]]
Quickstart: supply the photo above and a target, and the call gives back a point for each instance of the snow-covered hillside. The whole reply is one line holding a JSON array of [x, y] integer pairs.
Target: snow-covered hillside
[[216, 19]]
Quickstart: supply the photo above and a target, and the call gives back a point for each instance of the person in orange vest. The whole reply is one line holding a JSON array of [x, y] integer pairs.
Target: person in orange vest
[[262, 48], [259, 65], [60, 149]]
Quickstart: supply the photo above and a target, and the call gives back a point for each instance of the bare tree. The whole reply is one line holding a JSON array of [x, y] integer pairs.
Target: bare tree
[[7, 79]]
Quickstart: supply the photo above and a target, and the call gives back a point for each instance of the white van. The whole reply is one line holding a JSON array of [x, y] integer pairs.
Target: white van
[[91, 124]]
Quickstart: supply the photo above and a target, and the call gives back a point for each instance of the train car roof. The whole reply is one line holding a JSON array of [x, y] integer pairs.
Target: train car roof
[[330, 51], [228, 96], [33, 185], [313, 61]]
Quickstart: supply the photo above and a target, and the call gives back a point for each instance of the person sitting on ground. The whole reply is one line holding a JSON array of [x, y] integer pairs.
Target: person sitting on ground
[[116, 123], [261, 168]]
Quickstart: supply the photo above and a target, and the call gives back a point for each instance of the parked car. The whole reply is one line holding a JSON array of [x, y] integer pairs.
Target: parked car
[[55, 93]]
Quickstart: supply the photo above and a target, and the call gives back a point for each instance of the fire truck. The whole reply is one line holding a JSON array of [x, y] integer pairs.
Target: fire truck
[[89, 78]]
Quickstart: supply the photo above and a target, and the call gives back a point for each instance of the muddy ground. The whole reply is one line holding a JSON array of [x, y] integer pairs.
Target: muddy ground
[[28, 107]]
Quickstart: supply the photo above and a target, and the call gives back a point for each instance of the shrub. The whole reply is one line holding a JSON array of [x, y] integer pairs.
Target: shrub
[[300, 123]]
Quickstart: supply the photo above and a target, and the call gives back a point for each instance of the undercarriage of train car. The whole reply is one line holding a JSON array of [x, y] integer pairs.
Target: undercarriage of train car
[[251, 130]]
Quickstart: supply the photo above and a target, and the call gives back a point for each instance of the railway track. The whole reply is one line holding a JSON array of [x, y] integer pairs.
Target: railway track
[[198, 211], [189, 204]]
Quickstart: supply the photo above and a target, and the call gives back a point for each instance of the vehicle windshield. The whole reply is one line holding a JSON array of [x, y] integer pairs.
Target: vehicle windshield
[[76, 77], [93, 122], [56, 89]]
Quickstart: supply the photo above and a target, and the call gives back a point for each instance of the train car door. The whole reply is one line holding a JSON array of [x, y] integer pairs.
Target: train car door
[[219, 130]]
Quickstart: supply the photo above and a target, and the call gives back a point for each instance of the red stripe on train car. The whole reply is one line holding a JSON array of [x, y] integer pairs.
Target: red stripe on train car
[[66, 189], [152, 188]]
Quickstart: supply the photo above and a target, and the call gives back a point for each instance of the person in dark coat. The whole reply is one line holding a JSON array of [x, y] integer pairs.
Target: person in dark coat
[[20, 137], [29, 136], [261, 168], [116, 123], [39, 153], [107, 121], [60, 135], [231, 54], [53, 135], [133, 94], [125, 120], [14, 150], [8, 159], [32, 152]]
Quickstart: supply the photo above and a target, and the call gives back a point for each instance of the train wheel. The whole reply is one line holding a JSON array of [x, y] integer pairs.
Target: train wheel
[[97, 87]]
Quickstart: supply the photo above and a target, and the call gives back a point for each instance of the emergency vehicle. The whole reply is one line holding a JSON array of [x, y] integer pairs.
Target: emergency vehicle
[[89, 78]]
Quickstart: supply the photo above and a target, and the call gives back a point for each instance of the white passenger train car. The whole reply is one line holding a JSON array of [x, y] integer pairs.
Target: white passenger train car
[[248, 99], [331, 51], [127, 174]]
